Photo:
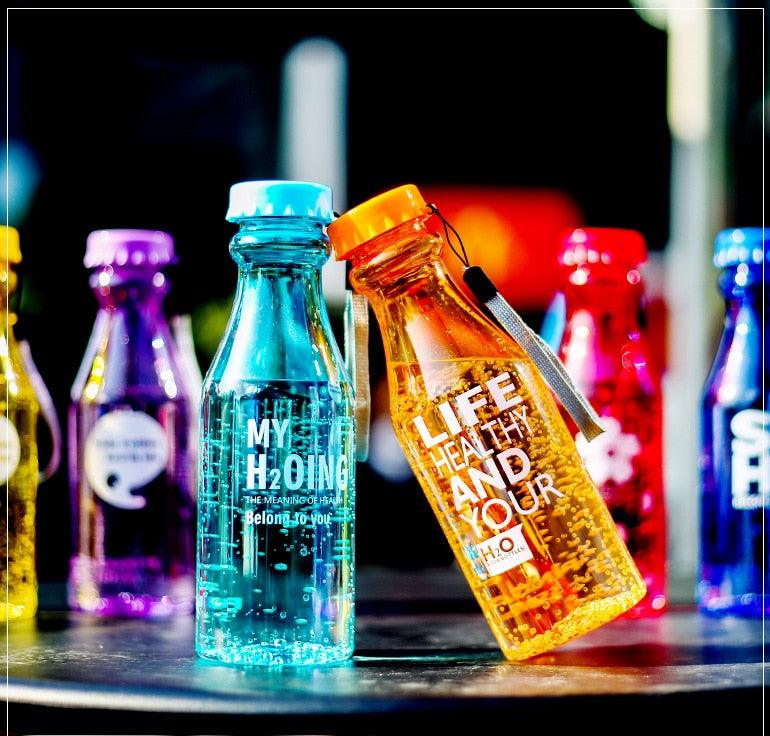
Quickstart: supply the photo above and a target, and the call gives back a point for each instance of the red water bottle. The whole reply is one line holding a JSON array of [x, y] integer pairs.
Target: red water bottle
[[607, 355]]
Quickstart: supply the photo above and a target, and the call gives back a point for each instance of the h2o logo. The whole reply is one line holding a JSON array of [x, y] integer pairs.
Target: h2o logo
[[504, 551]]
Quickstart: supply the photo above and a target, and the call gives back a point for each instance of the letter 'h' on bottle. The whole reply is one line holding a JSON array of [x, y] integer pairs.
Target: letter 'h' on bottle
[[485, 439], [276, 490]]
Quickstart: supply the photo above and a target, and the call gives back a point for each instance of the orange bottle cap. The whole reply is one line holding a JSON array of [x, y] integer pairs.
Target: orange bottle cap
[[375, 217]]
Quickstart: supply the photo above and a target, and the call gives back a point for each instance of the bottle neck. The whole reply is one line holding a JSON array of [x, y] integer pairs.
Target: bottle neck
[[275, 287], [130, 290], [7, 289], [398, 262], [613, 300], [279, 242], [603, 336], [279, 275], [7, 340], [741, 285], [423, 316], [279, 327], [131, 351], [736, 373]]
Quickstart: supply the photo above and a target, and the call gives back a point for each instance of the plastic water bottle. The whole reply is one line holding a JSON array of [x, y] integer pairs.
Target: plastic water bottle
[[605, 351], [485, 439], [735, 456], [18, 452], [132, 466], [275, 504]]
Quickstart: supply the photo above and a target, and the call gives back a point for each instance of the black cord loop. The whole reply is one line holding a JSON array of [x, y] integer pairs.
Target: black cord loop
[[461, 254]]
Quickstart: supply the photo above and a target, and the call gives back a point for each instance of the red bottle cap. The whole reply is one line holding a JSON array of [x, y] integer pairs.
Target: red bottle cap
[[609, 246]]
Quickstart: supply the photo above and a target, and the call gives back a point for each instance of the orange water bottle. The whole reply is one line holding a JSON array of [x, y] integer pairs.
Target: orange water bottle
[[483, 435]]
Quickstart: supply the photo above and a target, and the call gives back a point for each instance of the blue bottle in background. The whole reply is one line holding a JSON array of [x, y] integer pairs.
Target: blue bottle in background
[[276, 488], [735, 450]]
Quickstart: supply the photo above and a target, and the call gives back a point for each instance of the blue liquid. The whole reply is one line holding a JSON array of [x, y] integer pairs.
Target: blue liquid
[[275, 538]]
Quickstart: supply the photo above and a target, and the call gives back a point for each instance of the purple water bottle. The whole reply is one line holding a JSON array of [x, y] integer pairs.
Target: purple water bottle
[[132, 467]]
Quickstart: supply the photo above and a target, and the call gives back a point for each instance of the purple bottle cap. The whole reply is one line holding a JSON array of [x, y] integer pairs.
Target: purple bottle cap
[[127, 248]]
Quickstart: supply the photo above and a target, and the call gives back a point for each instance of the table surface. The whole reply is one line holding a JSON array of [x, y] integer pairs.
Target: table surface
[[67, 672]]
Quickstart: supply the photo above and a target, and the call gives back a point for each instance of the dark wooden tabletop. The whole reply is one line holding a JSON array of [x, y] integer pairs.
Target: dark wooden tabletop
[[75, 675]]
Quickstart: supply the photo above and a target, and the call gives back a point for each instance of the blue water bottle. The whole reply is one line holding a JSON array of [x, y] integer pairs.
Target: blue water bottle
[[735, 458], [276, 489]]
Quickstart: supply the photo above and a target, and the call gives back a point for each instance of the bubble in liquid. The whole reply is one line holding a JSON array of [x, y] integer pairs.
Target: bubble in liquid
[[568, 547]]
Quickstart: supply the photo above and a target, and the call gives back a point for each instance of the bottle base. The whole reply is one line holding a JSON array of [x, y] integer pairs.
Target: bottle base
[[129, 605], [651, 606], [18, 611], [278, 654], [585, 618], [749, 605]]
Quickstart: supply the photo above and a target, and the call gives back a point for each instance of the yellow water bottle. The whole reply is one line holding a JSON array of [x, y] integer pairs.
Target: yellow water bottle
[[485, 439], [18, 452]]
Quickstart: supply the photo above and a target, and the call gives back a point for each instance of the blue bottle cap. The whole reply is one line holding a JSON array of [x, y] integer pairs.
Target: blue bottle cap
[[740, 245], [280, 199]]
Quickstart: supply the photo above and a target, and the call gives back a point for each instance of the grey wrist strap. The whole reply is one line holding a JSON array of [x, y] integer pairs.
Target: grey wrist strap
[[542, 356], [357, 362]]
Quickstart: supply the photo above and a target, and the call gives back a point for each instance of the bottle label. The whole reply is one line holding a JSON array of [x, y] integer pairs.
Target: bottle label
[[292, 485], [10, 449], [479, 444], [280, 473], [610, 456], [750, 448], [505, 551], [124, 452]]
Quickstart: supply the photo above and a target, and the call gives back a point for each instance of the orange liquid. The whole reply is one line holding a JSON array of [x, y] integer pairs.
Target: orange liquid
[[569, 572]]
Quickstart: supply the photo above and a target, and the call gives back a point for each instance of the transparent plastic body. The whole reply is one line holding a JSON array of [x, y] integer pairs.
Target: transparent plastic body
[[132, 467], [735, 461], [18, 476], [606, 353], [277, 483], [496, 461]]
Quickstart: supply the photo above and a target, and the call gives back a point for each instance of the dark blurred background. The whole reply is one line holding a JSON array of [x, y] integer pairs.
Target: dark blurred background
[[145, 118]]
